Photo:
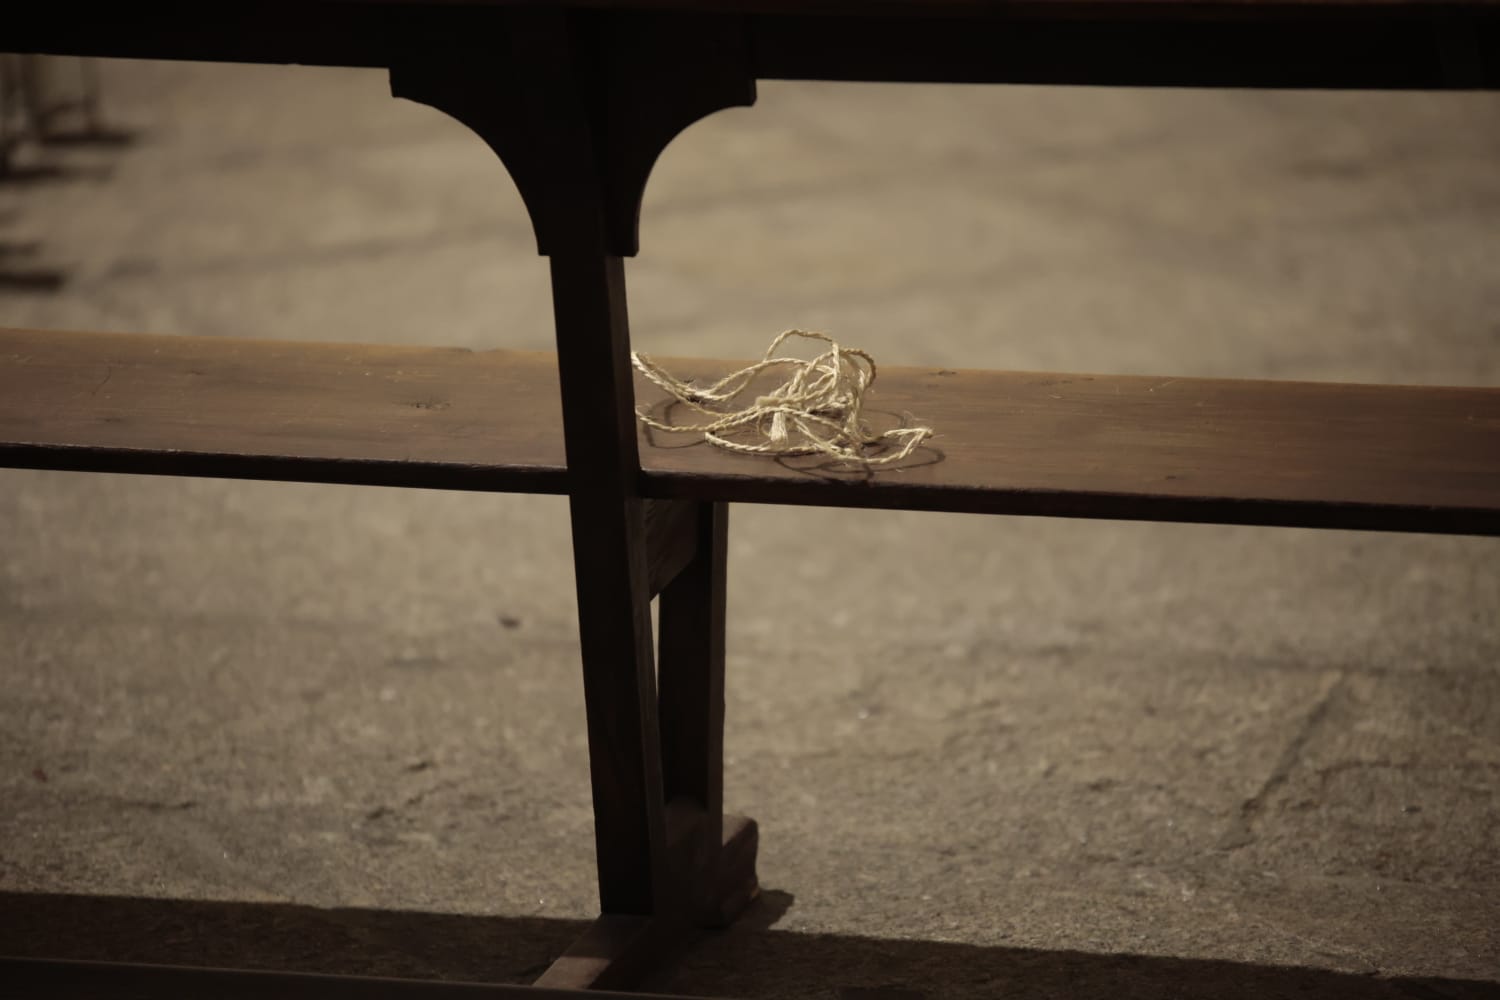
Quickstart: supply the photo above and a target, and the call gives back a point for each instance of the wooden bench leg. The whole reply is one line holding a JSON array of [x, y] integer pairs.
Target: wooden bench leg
[[614, 601], [579, 136], [706, 872], [716, 863]]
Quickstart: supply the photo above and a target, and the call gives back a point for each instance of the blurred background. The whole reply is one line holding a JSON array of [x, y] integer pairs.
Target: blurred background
[[340, 729]]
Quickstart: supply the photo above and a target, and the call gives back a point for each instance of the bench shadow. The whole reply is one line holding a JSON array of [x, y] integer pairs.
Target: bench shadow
[[750, 961], [281, 936]]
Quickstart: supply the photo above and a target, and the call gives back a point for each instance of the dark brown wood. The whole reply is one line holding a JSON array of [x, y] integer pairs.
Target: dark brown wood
[[1407, 458], [614, 598], [534, 95], [617, 951], [1242, 43], [1289, 45], [737, 884], [662, 71], [645, 77], [437, 418], [24, 977], [690, 680], [533, 110], [714, 882], [671, 540], [868, 8], [1412, 458]]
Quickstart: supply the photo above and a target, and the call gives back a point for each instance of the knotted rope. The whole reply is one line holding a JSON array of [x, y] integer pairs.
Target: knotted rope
[[817, 411]]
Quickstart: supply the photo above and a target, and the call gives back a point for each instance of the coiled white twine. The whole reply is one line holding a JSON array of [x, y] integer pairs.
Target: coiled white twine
[[816, 411]]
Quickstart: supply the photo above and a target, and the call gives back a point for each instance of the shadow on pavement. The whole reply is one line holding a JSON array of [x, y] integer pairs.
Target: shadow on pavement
[[751, 961]]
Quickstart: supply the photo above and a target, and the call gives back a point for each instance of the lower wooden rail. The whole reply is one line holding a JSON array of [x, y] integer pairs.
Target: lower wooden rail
[[37, 978], [1404, 458]]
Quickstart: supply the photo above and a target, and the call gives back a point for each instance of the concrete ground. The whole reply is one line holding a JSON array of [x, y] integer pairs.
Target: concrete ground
[[340, 729]]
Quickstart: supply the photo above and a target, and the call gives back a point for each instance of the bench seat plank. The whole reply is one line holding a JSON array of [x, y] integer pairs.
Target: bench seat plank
[[441, 418], [1413, 458], [1408, 458]]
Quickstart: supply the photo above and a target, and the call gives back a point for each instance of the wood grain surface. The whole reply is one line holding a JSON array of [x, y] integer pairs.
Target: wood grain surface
[[264, 409], [1154, 448], [1221, 450]]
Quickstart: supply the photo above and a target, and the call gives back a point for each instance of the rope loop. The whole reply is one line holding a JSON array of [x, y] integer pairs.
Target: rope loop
[[818, 410]]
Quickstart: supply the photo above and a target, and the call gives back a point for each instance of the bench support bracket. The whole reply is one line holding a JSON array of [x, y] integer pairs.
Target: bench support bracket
[[579, 117]]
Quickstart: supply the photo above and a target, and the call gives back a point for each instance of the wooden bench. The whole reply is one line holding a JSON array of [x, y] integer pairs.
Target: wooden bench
[[578, 97], [1304, 454]]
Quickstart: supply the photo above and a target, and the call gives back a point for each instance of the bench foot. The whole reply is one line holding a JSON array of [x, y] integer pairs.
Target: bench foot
[[618, 951], [738, 885]]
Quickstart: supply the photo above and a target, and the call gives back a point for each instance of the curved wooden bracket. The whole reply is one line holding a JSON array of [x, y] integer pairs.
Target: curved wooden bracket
[[673, 70], [578, 105]]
